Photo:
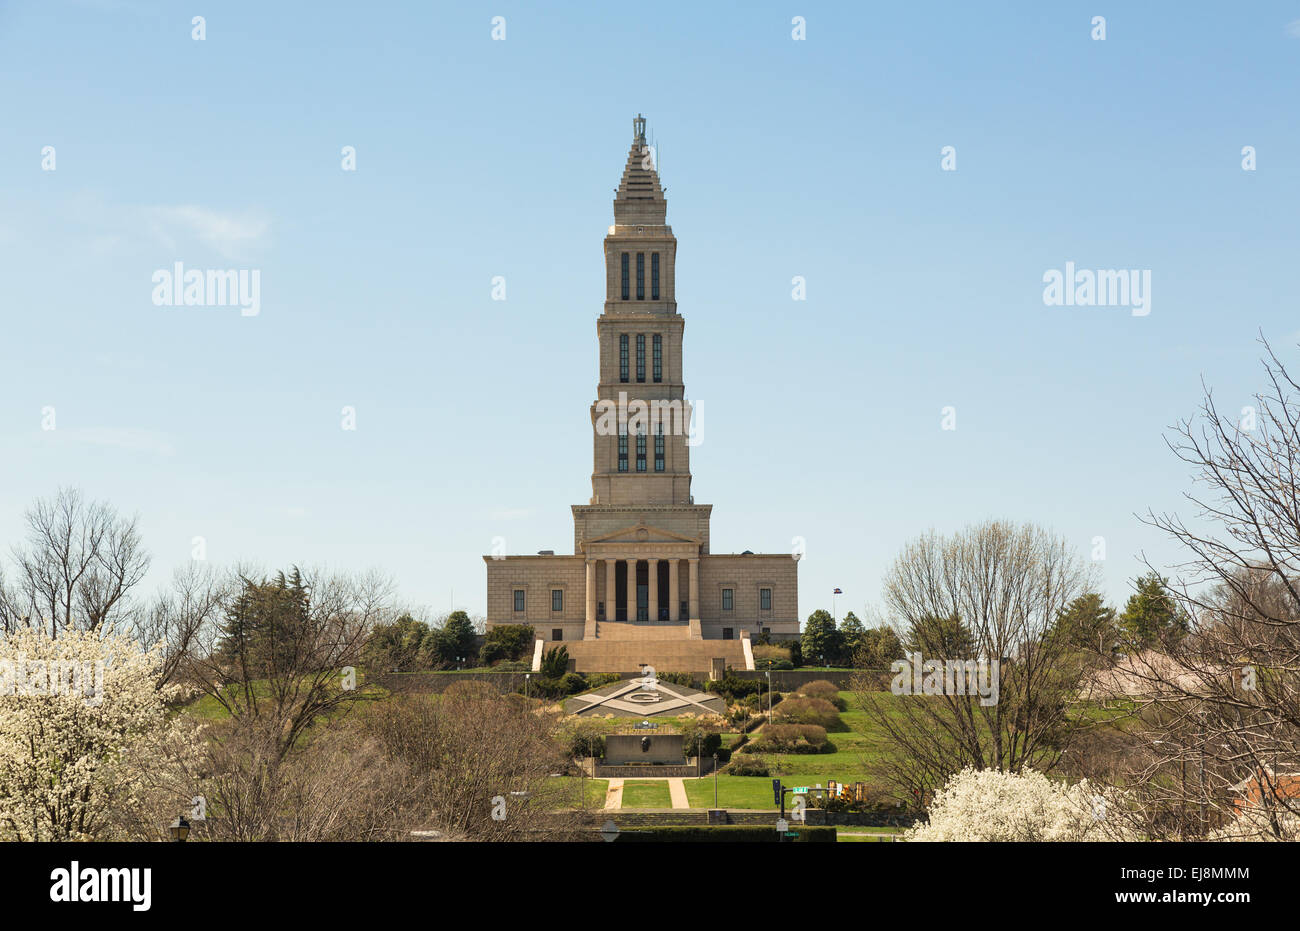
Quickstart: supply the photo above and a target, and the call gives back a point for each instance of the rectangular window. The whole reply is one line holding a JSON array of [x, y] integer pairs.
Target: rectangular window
[[726, 633], [622, 357], [557, 599], [640, 276], [654, 276], [625, 277], [557, 633], [640, 452], [658, 357], [622, 452], [640, 357], [519, 599], [659, 449], [726, 599], [765, 599]]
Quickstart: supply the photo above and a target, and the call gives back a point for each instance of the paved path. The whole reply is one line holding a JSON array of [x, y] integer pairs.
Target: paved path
[[677, 791], [614, 794]]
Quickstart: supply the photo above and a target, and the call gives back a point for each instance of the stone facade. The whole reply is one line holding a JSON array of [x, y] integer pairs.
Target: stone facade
[[641, 544]]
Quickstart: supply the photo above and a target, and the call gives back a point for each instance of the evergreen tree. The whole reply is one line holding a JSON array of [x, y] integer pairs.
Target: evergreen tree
[[820, 640], [1152, 616]]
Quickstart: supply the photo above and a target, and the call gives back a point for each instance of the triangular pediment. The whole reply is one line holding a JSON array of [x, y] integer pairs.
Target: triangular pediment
[[642, 533]]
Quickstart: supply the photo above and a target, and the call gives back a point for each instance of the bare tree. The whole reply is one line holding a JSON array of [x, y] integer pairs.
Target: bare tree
[[77, 569], [480, 764], [181, 613], [285, 650], [987, 595], [1224, 702]]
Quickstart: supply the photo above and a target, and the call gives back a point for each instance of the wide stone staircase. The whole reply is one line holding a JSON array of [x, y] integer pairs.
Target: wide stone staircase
[[625, 647]]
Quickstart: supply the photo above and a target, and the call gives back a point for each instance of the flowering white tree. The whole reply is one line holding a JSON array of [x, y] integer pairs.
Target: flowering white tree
[[987, 805], [86, 743]]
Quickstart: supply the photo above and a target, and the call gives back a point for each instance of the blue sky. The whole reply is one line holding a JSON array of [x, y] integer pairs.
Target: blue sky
[[478, 158]]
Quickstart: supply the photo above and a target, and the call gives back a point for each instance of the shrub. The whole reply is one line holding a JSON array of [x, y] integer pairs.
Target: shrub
[[584, 737], [734, 688], [699, 739], [823, 690], [678, 678], [598, 679], [809, 711], [555, 662], [746, 765], [511, 641], [791, 738], [571, 683]]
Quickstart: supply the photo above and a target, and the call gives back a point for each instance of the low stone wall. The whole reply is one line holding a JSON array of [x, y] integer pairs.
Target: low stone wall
[[642, 772]]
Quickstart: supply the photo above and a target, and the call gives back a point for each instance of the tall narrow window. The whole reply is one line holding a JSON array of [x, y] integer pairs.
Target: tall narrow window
[[557, 599], [626, 294], [726, 599], [519, 599], [659, 449], [622, 357], [640, 357], [622, 452], [640, 276], [658, 342], [765, 599], [654, 276], [640, 451]]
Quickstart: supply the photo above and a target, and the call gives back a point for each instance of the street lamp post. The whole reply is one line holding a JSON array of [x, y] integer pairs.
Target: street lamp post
[[527, 676], [715, 781]]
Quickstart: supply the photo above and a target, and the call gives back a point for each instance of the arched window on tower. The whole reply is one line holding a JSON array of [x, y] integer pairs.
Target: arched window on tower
[[654, 277], [622, 357], [622, 451], [640, 450], [640, 357], [658, 357], [659, 448], [640, 276], [626, 291]]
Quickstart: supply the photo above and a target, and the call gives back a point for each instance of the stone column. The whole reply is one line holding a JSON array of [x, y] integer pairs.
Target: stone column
[[652, 576], [611, 590], [674, 596], [694, 590], [631, 589], [591, 598]]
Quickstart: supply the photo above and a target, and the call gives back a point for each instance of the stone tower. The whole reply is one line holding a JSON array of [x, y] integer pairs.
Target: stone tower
[[641, 582]]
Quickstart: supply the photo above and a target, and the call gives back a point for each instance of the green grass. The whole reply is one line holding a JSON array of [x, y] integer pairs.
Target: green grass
[[647, 794], [566, 791], [733, 792]]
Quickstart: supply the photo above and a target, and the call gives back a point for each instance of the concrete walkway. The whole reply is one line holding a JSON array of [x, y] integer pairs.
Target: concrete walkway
[[677, 791], [614, 795]]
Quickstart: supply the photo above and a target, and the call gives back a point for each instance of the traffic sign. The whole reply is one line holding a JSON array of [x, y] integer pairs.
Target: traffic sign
[[609, 831]]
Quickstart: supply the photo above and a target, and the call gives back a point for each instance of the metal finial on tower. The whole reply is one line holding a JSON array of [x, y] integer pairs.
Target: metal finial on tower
[[638, 128]]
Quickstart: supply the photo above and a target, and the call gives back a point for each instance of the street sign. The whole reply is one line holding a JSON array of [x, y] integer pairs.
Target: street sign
[[609, 831], [776, 791], [800, 790], [782, 826], [791, 834]]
